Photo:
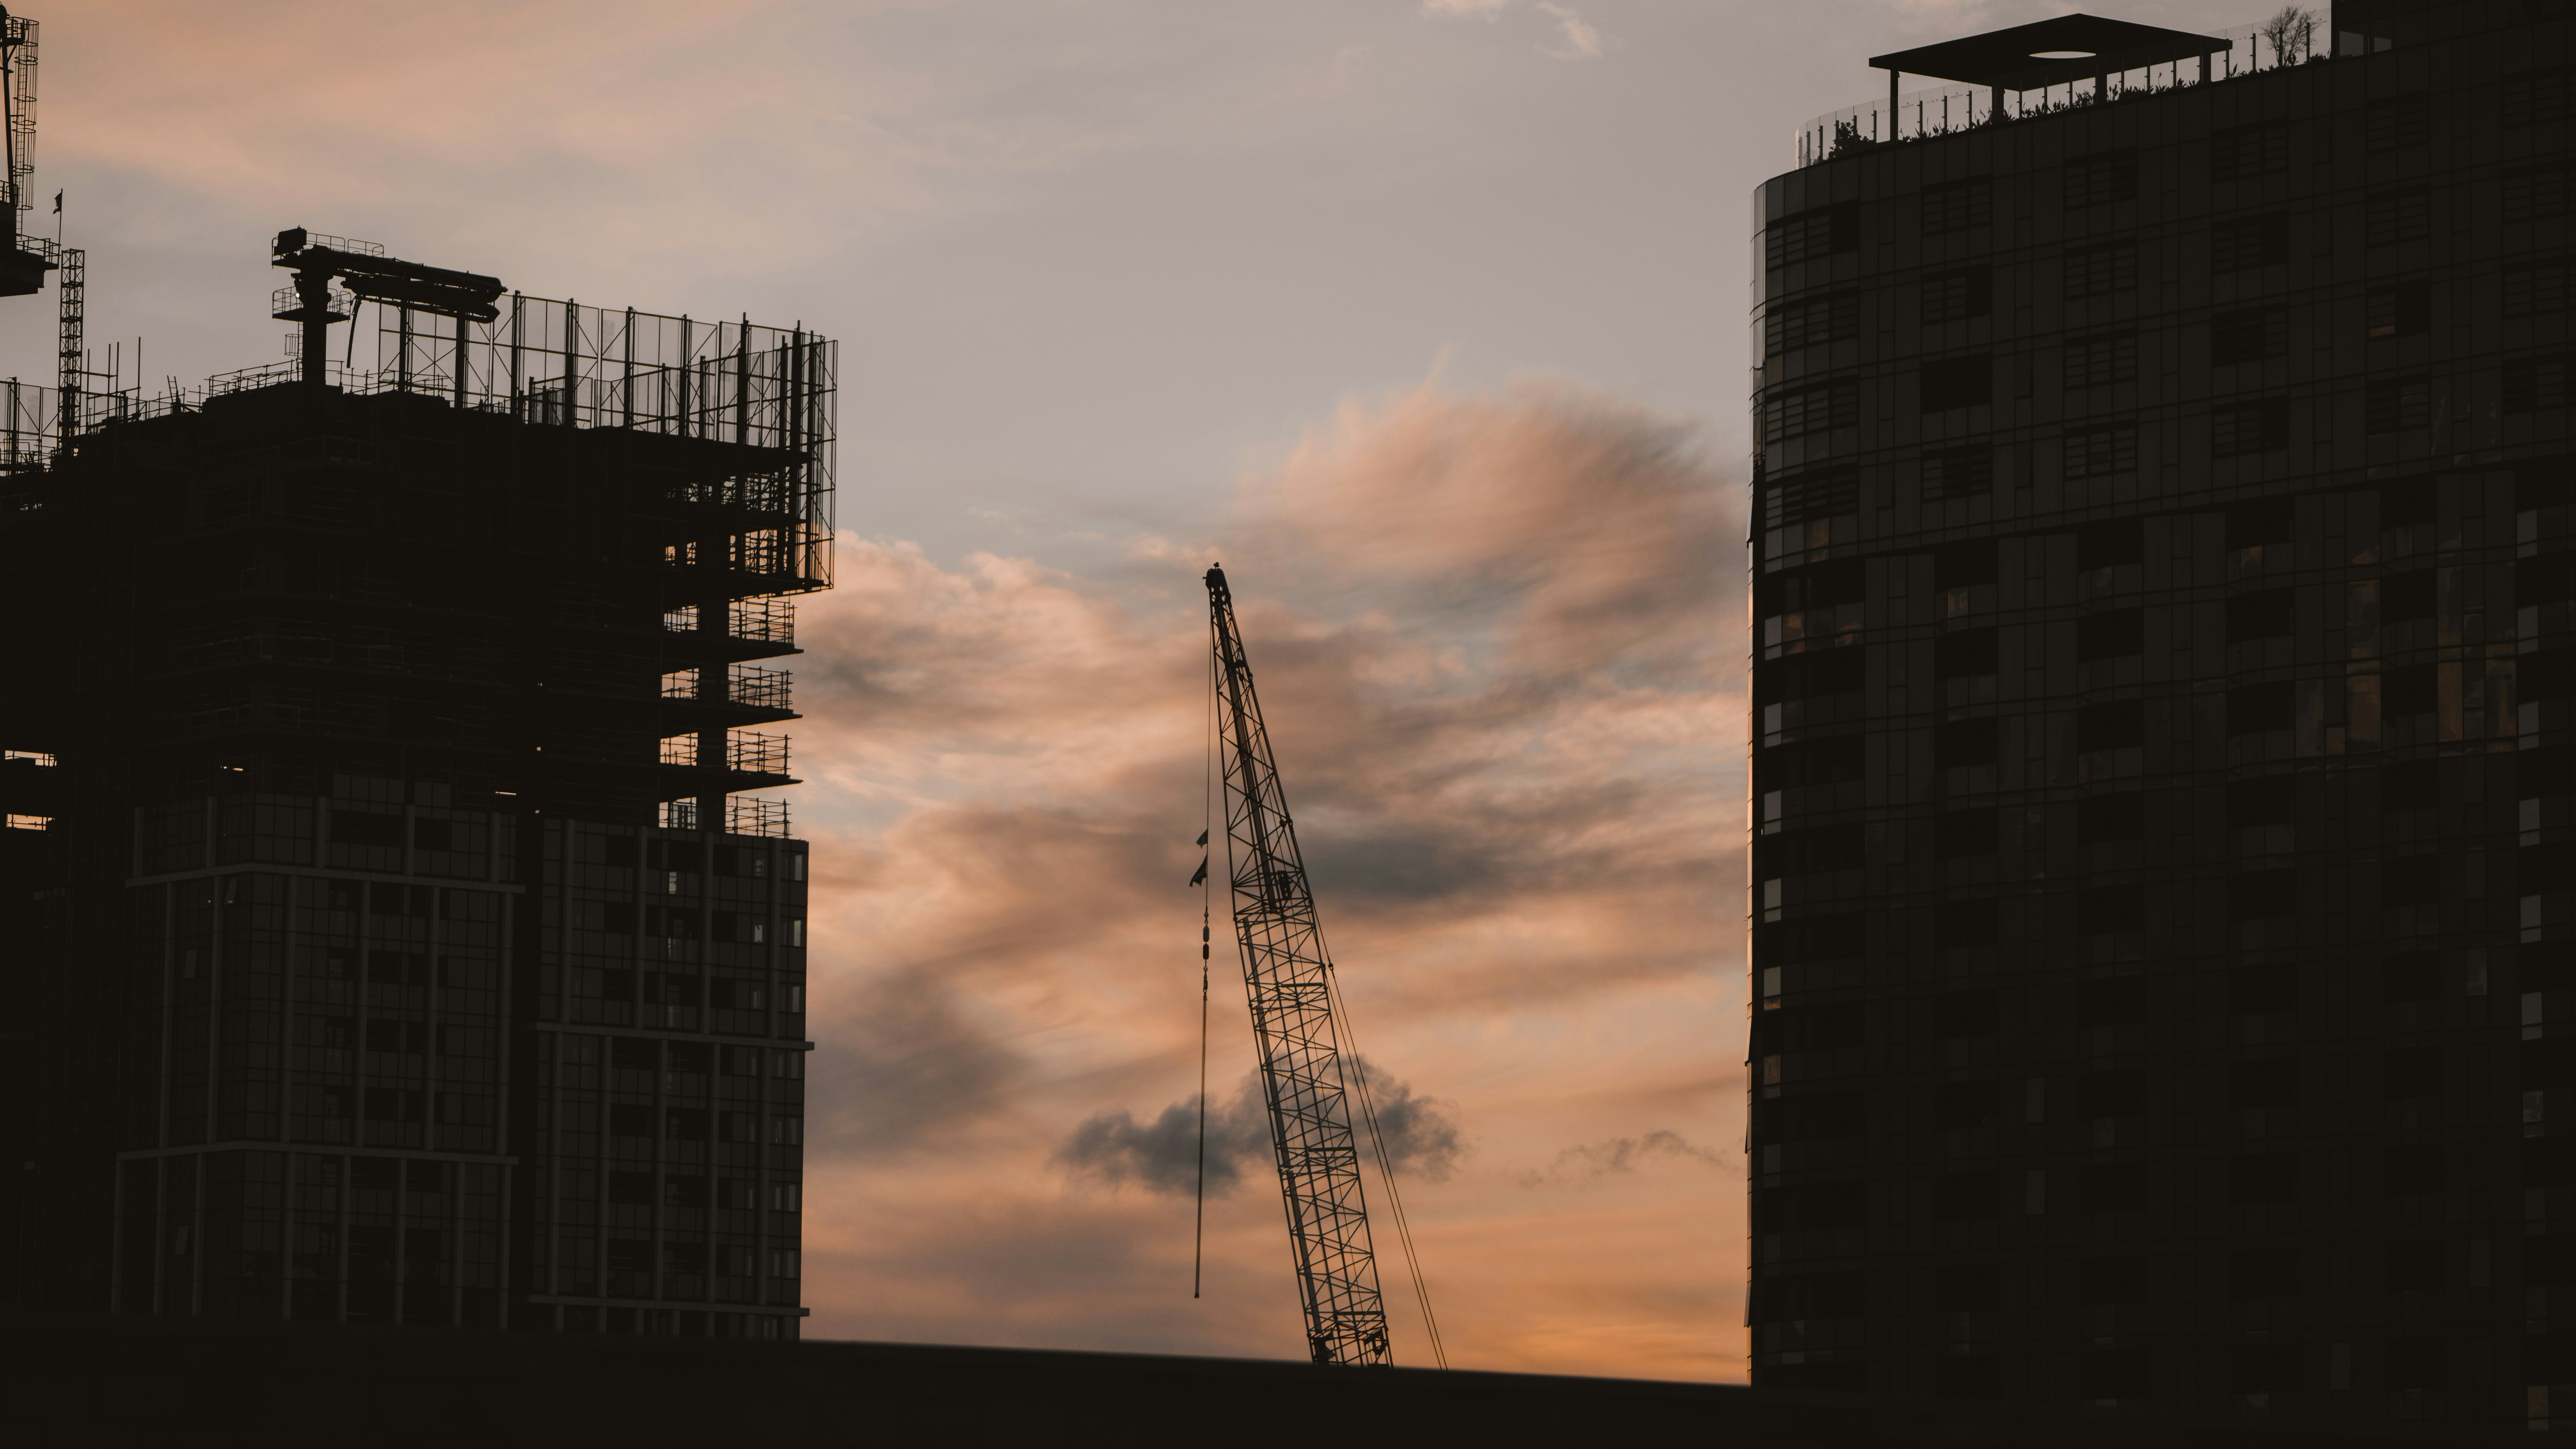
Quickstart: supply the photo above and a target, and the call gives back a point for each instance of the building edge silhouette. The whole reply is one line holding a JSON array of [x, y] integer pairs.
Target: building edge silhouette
[[385, 938], [2160, 892]]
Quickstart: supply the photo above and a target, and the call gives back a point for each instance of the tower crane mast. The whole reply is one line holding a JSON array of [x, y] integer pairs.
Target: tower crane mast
[[22, 267], [1290, 982]]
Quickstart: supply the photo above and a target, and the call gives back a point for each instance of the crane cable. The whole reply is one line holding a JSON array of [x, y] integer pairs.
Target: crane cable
[[1341, 1013], [1207, 907]]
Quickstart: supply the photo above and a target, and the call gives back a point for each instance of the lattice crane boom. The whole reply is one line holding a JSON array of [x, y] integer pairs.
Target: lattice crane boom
[[1289, 980]]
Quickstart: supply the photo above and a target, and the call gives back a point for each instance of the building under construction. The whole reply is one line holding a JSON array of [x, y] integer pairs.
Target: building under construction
[[384, 931]]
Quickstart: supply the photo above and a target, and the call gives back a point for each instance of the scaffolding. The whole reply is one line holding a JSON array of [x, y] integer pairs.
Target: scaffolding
[[563, 364], [742, 465]]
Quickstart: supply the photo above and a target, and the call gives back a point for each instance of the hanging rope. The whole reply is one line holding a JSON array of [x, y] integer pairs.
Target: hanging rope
[[1207, 906]]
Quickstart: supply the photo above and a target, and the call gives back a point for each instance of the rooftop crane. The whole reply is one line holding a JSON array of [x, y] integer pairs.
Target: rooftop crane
[[24, 259], [1289, 979], [22, 267]]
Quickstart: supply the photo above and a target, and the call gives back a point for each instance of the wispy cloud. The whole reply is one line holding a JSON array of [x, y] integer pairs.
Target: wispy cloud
[[1577, 38], [1622, 1155]]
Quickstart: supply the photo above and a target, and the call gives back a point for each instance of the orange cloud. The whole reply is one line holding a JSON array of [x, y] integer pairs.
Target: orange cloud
[[1499, 640]]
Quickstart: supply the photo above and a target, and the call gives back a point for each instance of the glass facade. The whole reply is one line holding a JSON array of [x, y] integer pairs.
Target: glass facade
[[2160, 882], [398, 1059]]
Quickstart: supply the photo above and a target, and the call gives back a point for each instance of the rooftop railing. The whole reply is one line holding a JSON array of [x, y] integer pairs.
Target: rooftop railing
[[1948, 110]]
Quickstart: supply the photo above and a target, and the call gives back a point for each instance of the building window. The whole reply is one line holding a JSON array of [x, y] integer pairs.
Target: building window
[[2264, 1177], [1963, 743], [1959, 472], [1964, 1107], [2102, 452], [2242, 151], [1799, 411], [2412, 689], [2244, 242], [2110, 910], [1827, 319], [1955, 206], [2107, 542], [2535, 193], [2535, 384], [2536, 289], [2392, 217], [2535, 97], [2259, 708], [2397, 122], [1961, 1197], [1951, 296], [2250, 428], [2396, 404], [1801, 496], [1957, 382], [2110, 634], [1963, 654], [2249, 336], [2101, 361], [2101, 179], [1810, 235], [2110, 1187], [2100, 271], [2399, 310]]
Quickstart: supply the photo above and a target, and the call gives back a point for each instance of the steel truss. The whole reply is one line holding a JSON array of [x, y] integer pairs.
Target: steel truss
[[1289, 980]]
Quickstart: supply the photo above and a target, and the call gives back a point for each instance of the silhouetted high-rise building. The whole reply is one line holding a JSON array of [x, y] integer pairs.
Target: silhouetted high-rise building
[[2165, 655], [381, 936]]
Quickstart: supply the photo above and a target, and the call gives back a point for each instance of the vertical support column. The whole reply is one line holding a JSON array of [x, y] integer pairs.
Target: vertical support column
[[626, 383], [313, 298], [456, 363], [518, 326], [687, 344], [715, 628], [1893, 128], [571, 359], [742, 383]]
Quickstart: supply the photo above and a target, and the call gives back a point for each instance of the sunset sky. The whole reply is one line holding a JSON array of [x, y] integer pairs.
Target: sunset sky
[[1426, 317]]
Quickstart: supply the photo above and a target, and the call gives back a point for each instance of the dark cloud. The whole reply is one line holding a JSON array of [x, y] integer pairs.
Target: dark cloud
[[901, 1060], [1162, 1156], [1623, 1155], [1415, 866], [1420, 1137]]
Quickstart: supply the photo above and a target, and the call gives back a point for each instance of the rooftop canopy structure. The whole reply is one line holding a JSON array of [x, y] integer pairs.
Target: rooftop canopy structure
[[2048, 53]]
